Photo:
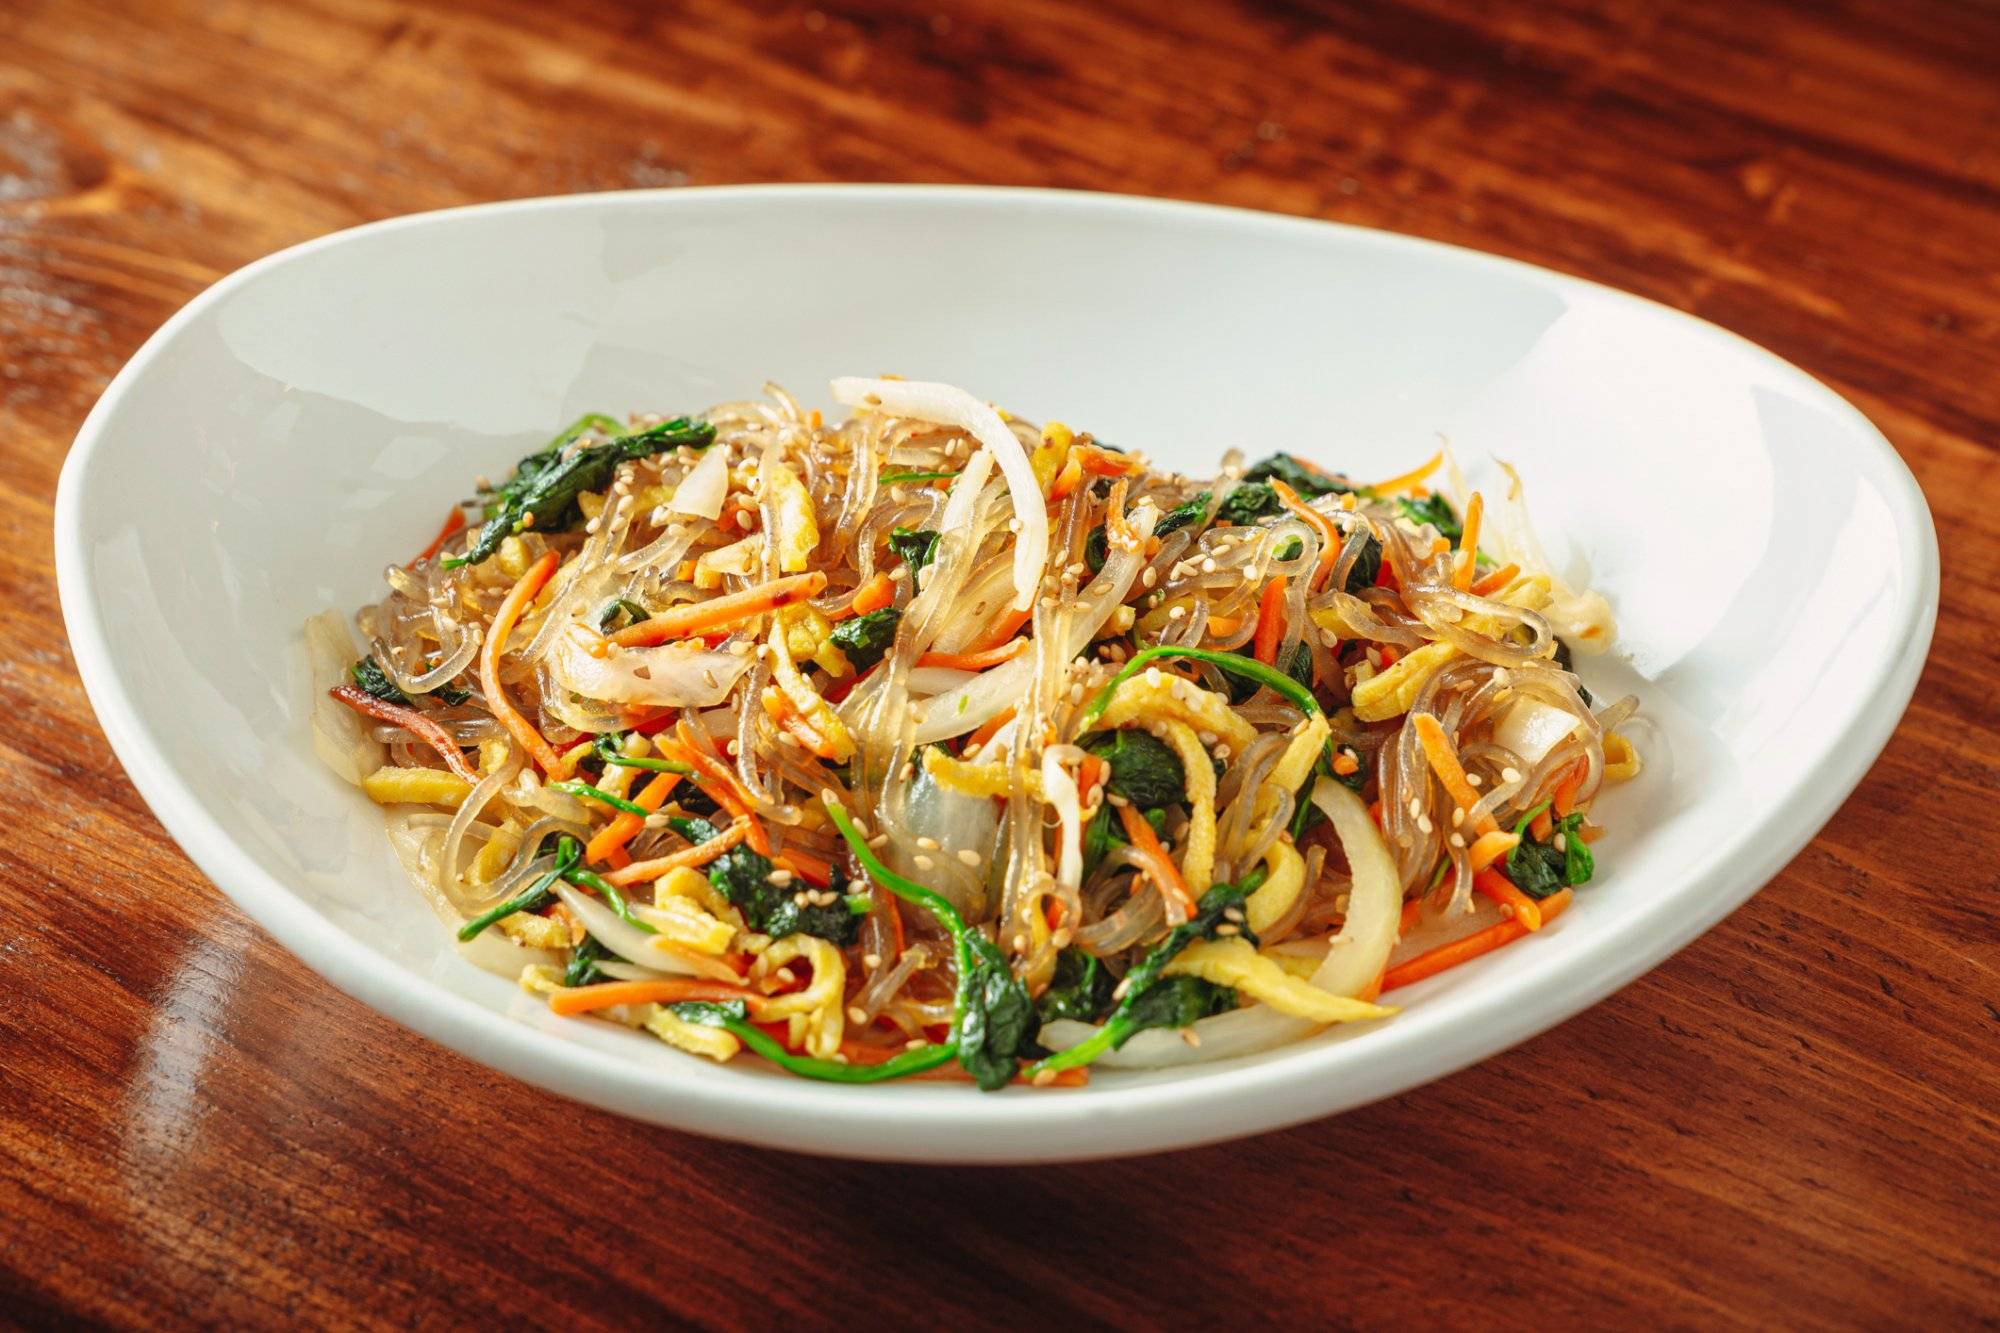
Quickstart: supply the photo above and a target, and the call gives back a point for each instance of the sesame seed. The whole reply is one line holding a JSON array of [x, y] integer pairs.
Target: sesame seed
[[780, 877], [1473, 779], [1190, 1036], [918, 1043], [1149, 578], [656, 821], [928, 844], [878, 842], [1177, 613], [1457, 840], [923, 862], [856, 1014], [968, 857], [1510, 775], [802, 899], [1424, 824], [1416, 807], [1560, 842], [871, 961], [1118, 992], [1208, 566], [1043, 1079], [1457, 815], [1228, 928]]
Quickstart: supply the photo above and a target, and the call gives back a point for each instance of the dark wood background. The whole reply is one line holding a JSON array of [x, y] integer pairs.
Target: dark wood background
[[1793, 1122]]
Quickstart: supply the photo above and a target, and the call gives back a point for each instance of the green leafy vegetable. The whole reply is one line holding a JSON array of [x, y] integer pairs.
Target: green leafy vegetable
[[1367, 567], [734, 1016], [1356, 780], [915, 547], [584, 791], [743, 877], [1096, 548], [1233, 663], [1183, 514], [865, 640], [1144, 769], [531, 899], [1248, 503], [1080, 989], [545, 485], [1220, 907], [891, 478], [1436, 511], [372, 679], [583, 960], [608, 617], [605, 889], [993, 1020], [1178, 1002], [1564, 659], [1302, 479], [1539, 869], [605, 747]]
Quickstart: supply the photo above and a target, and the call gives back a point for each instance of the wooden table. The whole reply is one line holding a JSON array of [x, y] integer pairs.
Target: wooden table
[[1792, 1122]]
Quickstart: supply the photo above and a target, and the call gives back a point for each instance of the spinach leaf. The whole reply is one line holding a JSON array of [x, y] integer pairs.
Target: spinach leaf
[[1539, 869], [1095, 548], [744, 878], [865, 640], [1081, 989], [1356, 780], [544, 487], [1299, 668], [915, 547], [1436, 511], [1288, 469], [583, 960], [1212, 914], [608, 617], [1178, 1002], [1248, 503], [1144, 769], [531, 899], [1367, 567], [1184, 513], [371, 678]]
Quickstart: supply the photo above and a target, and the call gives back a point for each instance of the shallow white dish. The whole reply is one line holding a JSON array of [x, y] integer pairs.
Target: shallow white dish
[[1772, 563]]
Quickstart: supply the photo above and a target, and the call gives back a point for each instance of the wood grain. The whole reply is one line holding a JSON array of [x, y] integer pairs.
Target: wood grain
[[1792, 1122]]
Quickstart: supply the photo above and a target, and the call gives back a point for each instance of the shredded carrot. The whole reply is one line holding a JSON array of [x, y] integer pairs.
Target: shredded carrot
[[1174, 889], [977, 661], [721, 785], [1413, 911], [1329, 535], [1495, 581], [640, 872], [516, 601], [1088, 774], [1068, 479], [1221, 625], [681, 621], [990, 728], [1444, 760], [1480, 942], [1563, 800], [1006, 628], [805, 865], [684, 571], [454, 524], [728, 968], [410, 720], [878, 592], [1542, 826], [1265, 643], [1373, 990], [1345, 764], [584, 999], [1468, 543], [626, 825], [1500, 889], [1103, 462], [1404, 481], [814, 420]]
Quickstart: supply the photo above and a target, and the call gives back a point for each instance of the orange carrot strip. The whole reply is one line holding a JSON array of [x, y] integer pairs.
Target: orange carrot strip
[[681, 621], [781, 711], [1413, 911], [1329, 535], [1408, 479], [1444, 760], [1068, 479], [454, 524], [1006, 628], [1542, 826], [1180, 903], [1221, 625], [584, 999], [1480, 942], [990, 728], [410, 720], [977, 661], [516, 601], [640, 872], [805, 865], [1264, 644], [1468, 543], [878, 592], [1495, 581], [1501, 890], [1563, 800], [626, 825], [1490, 847], [1088, 774], [721, 785], [1103, 462]]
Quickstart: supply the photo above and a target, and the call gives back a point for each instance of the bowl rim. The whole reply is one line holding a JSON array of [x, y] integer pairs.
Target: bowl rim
[[911, 1123]]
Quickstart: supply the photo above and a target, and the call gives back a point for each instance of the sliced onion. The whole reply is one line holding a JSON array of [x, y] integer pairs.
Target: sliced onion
[[340, 735], [1060, 789], [702, 491], [936, 680], [619, 936], [1223, 1037], [1374, 902], [494, 951], [1531, 728], [950, 406], [674, 675]]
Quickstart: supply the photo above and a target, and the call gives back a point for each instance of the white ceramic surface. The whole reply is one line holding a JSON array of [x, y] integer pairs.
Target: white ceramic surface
[[1771, 562]]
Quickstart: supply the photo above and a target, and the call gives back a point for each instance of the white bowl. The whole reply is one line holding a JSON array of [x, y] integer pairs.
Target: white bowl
[[1771, 562]]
